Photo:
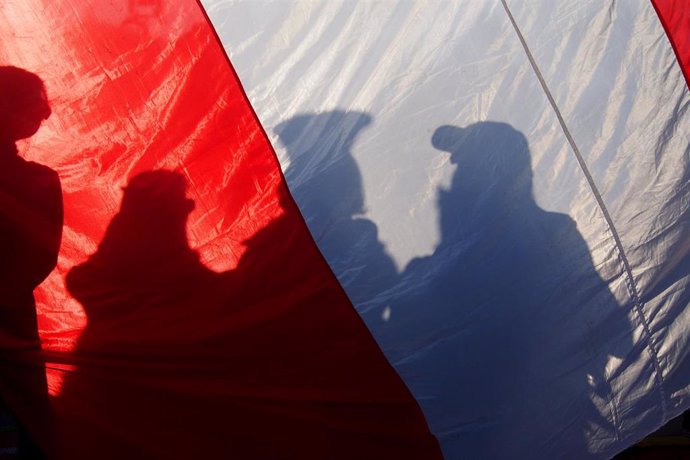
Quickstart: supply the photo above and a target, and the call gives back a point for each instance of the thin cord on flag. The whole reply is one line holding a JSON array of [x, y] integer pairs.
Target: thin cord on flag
[[630, 281]]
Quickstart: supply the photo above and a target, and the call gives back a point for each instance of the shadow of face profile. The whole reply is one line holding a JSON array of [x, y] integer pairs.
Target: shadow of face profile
[[492, 159], [23, 103]]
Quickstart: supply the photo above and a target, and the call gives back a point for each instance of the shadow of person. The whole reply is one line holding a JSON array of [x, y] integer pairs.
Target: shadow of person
[[508, 318], [147, 297], [224, 364], [30, 233], [146, 262], [327, 183]]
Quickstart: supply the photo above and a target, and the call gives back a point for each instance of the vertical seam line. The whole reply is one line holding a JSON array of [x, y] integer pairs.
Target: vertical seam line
[[629, 279]]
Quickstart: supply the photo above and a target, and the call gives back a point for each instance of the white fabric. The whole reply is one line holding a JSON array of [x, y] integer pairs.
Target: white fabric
[[526, 323]]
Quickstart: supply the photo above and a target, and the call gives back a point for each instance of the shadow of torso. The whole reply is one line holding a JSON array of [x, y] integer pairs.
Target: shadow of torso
[[508, 317]]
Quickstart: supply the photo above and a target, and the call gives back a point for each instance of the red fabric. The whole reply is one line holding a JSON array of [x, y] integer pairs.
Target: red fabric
[[675, 16], [244, 346]]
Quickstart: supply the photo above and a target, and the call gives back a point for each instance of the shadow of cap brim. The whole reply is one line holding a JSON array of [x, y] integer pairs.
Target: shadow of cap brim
[[448, 138]]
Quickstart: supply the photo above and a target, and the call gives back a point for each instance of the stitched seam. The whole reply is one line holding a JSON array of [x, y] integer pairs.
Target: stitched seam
[[629, 280]]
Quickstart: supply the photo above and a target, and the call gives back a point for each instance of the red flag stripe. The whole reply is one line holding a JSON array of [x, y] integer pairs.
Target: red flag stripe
[[675, 17], [261, 357]]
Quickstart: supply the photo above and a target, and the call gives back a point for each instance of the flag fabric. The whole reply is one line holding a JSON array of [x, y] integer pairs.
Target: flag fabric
[[310, 229]]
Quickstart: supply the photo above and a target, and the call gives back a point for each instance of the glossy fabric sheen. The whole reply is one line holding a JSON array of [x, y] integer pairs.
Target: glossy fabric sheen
[[190, 314], [502, 190]]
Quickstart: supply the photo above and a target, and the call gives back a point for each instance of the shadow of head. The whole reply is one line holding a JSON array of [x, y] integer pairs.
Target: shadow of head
[[23, 103], [492, 158], [151, 222], [322, 167], [157, 197], [328, 132]]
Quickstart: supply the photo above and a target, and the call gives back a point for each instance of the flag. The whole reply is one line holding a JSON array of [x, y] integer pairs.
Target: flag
[[346, 230]]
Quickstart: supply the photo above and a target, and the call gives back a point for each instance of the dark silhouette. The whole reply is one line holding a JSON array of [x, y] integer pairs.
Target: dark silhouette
[[146, 296], [30, 232], [146, 262], [508, 319], [177, 361], [327, 183]]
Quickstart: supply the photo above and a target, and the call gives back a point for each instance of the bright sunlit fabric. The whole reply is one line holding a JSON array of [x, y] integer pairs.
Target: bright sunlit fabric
[[332, 229]]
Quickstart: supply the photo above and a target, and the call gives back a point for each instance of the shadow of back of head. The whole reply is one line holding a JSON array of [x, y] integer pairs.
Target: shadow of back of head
[[508, 317], [327, 184], [319, 147]]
